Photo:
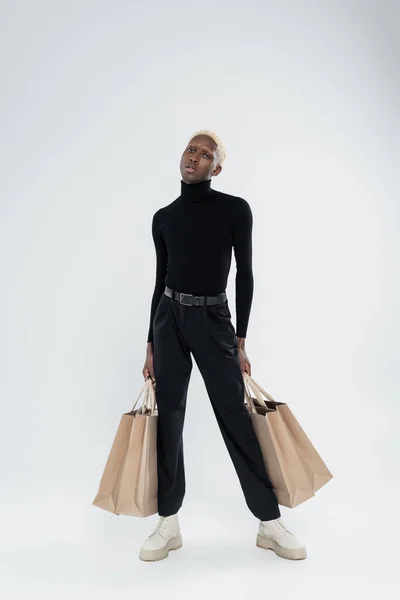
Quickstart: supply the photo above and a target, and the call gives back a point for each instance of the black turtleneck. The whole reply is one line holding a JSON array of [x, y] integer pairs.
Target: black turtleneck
[[193, 237]]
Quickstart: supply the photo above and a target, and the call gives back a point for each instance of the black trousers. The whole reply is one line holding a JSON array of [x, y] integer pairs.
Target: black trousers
[[207, 333]]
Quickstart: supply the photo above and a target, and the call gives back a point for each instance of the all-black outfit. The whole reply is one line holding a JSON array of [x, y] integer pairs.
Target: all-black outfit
[[194, 236]]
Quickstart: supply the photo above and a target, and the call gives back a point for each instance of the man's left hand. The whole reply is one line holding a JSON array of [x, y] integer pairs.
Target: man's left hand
[[244, 359]]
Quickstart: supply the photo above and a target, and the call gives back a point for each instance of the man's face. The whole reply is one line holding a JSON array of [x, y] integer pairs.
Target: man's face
[[198, 160]]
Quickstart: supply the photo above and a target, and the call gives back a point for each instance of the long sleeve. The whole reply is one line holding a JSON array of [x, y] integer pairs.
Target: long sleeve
[[161, 269], [244, 282]]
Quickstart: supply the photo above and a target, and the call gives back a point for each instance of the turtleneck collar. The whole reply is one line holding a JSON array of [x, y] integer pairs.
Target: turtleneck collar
[[195, 192]]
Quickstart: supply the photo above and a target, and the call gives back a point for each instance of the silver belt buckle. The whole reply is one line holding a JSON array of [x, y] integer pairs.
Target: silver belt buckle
[[184, 303]]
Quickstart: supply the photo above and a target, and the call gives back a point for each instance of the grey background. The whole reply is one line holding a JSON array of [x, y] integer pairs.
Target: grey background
[[98, 100]]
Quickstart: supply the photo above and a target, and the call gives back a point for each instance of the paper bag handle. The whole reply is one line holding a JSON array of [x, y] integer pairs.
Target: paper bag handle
[[257, 389], [148, 388], [249, 399], [149, 392]]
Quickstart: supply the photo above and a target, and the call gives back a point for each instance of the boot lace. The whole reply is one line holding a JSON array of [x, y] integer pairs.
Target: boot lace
[[280, 526], [160, 525]]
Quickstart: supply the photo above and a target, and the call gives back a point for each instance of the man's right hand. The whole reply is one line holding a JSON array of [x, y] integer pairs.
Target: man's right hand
[[148, 370]]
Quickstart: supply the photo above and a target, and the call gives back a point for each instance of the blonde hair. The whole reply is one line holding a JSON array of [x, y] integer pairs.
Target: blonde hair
[[220, 150]]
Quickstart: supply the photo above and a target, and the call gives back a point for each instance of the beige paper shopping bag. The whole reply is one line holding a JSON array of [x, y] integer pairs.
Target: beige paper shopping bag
[[288, 477], [316, 469], [293, 467], [129, 482]]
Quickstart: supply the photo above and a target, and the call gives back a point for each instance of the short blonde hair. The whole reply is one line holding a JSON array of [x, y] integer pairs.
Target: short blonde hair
[[220, 149]]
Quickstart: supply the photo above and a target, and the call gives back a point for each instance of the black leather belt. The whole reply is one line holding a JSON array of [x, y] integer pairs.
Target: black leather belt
[[192, 300]]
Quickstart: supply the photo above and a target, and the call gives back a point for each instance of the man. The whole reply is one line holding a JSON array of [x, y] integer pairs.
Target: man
[[190, 316]]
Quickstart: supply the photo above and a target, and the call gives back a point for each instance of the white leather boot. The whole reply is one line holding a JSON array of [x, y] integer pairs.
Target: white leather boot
[[274, 535], [165, 537]]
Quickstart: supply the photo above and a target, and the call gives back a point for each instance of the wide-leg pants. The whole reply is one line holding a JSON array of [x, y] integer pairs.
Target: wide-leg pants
[[207, 333]]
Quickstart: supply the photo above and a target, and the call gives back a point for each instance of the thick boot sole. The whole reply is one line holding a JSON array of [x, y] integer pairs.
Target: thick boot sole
[[289, 553], [160, 553]]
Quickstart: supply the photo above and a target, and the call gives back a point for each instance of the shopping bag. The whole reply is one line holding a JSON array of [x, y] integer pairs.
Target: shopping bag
[[293, 464], [315, 467], [129, 482]]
